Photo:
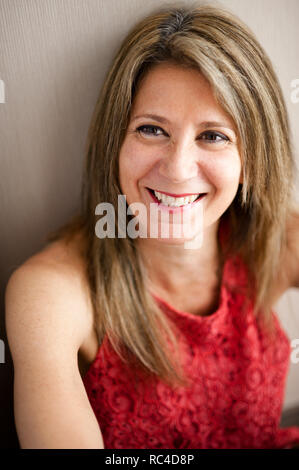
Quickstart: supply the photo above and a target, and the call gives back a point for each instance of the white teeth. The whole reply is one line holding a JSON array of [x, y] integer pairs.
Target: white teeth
[[175, 201]]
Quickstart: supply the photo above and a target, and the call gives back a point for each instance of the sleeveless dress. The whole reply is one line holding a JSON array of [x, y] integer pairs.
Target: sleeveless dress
[[237, 383]]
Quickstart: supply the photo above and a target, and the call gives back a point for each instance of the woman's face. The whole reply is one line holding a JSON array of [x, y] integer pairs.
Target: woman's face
[[187, 146]]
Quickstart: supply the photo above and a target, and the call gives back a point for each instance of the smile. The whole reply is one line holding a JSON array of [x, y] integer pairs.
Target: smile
[[168, 200]]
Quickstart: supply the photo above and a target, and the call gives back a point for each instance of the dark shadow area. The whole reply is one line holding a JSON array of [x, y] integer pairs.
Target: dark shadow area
[[290, 417], [8, 435]]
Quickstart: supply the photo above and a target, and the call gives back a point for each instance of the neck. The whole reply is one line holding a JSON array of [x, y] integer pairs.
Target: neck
[[171, 267]]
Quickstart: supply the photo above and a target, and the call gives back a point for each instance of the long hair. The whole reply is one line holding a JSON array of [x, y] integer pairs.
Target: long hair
[[225, 51]]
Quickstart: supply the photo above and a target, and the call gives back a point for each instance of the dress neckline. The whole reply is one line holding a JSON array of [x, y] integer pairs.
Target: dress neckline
[[222, 304]]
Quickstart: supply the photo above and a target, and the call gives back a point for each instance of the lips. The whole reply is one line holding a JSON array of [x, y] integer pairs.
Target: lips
[[174, 195], [173, 208]]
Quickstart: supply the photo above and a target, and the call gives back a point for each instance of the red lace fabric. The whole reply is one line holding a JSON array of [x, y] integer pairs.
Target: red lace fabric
[[237, 384]]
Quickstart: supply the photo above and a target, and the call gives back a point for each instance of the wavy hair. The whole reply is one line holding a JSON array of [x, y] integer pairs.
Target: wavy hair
[[215, 42]]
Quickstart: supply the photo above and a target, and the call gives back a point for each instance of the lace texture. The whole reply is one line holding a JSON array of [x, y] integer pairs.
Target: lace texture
[[237, 381], [237, 384]]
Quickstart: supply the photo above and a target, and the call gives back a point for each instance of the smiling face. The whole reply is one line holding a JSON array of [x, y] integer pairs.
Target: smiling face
[[179, 141]]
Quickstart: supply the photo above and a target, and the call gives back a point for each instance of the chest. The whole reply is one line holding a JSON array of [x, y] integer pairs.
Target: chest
[[234, 399], [200, 299]]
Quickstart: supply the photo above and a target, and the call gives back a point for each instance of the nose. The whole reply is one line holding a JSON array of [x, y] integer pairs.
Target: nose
[[180, 163]]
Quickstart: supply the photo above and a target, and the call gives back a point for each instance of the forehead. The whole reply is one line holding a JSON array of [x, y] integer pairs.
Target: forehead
[[169, 87]]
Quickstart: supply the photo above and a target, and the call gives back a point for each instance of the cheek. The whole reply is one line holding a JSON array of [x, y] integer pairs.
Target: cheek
[[126, 163], [130, 169], [133, 162], [225, 173]]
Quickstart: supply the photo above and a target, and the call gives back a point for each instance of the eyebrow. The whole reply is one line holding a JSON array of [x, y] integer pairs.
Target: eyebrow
[[204, 124]]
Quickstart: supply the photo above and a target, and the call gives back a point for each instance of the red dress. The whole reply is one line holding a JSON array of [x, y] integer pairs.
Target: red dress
[[238, 379]]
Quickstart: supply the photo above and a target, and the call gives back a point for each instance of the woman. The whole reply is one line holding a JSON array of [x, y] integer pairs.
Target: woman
[[177, 347]]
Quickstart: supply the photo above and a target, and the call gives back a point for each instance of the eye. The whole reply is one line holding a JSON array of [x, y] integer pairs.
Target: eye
[[149, 130], [214, 137], [211, 137]]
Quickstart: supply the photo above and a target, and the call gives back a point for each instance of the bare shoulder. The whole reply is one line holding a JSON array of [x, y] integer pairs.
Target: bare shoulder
[[61, 255], [47, 317], [50, 290]]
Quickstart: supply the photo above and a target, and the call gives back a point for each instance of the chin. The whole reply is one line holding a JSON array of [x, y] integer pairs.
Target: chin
[[175, 240]]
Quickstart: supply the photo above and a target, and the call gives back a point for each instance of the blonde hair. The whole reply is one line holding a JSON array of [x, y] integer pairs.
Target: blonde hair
[[225, 51]]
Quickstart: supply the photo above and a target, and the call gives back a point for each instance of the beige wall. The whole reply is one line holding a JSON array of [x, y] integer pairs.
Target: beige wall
[[54, 54]]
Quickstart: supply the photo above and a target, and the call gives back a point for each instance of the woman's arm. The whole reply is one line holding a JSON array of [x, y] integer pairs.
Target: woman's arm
[[45, 327]]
